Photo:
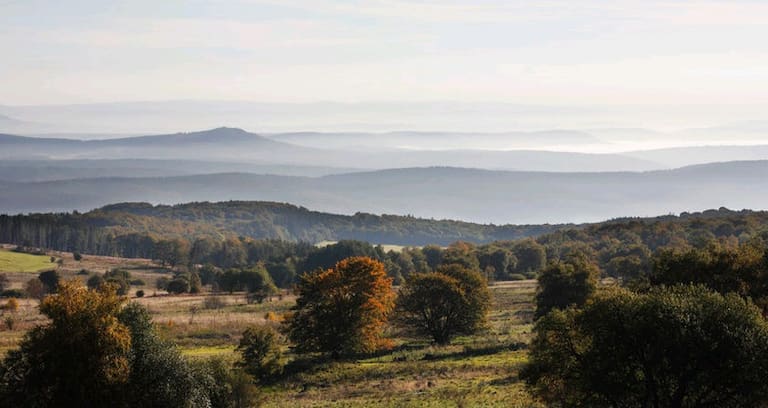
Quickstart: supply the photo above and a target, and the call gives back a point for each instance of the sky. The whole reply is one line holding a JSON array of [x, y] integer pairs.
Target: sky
[[548, 52]]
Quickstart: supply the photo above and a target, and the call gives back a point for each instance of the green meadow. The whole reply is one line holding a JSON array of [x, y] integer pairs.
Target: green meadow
[[19, 262]]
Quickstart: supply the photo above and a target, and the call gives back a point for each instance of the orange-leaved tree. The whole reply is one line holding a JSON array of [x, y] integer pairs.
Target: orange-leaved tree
[[342, 310]]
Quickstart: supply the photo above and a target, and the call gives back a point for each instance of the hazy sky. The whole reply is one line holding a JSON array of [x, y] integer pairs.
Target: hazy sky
[[535, 52]]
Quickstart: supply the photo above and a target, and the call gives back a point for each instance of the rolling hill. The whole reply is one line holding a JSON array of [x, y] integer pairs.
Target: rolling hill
[[483, 196]]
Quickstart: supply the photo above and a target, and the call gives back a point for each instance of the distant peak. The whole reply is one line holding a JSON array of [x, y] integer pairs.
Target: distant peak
[[228, 129], [225, 131]]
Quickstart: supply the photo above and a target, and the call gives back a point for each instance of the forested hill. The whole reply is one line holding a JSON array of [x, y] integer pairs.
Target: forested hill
[[259, 219], [475, 195], [132, 229], [108, 229]]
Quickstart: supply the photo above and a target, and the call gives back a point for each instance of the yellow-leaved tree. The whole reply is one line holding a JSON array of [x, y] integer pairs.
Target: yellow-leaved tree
[[81, 356]]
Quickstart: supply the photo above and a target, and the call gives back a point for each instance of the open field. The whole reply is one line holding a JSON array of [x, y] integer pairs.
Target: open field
[[19, 262], [478, 370]]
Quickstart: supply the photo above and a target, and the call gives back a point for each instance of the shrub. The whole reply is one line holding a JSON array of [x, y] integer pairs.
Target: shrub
[[195, 285], [137, 282], [227, 387], [213, 302], [95, 281], [83, 272], [11, 305], [50, 280], [35, 289], [162, 283], [77, 256], [13, 293], [517, 277], [262, 356], [178, 285], [10, 322], [140, 293]]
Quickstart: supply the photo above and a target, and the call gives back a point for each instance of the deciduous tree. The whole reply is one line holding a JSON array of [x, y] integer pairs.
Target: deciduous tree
[[683, 346], [342, 310], [454, 300], [261, 354], [79, 359], [564, 284]]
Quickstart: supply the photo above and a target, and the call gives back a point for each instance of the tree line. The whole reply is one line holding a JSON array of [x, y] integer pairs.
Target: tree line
[[621, 248]]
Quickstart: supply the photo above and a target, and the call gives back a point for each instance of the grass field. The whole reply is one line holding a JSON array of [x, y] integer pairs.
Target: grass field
[[478, 370], [19, 262]]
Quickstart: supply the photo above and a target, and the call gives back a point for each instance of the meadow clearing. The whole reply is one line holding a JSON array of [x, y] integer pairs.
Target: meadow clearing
[[23, 263]]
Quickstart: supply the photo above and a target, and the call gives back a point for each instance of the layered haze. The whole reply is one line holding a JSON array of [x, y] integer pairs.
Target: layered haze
[[485, 111], [345, 173]]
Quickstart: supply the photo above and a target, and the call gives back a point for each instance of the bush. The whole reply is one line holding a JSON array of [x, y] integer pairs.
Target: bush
[[262, 356], [137, 282], [178, 285], [226, 387], [95, 281], [11, 305], [83, 272], [13, 293], [213, 302], [35, 289], [140, 293], [531, 275], [195, 285], [50, 280], [162, 283], [10, 322], [77, 256], [517, 277]]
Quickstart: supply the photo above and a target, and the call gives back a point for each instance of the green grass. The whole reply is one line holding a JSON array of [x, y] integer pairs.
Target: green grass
[[19, 262], [208, 351], [480, 370]]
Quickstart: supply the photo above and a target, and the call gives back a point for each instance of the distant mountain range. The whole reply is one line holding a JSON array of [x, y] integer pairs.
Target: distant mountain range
[[483, 196], [439, 140], [338, 152], [329, 172], [229, 144]]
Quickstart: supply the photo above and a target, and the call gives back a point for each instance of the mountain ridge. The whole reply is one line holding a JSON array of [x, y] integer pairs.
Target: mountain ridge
[[474, 195]]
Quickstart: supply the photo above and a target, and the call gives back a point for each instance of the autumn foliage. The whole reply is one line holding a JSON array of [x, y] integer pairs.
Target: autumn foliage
[[80, 357], [342, 310]]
